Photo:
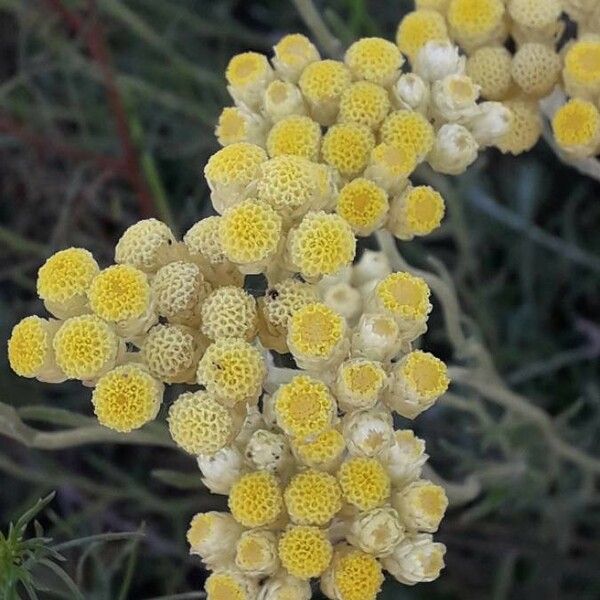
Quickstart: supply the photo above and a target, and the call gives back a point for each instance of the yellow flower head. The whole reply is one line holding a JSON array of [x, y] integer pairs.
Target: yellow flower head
[[199, 424], [359, 383], [65, 277], [305, 552], [322, 84], [256, 553], [418, 211], [365, 483], [364, 205], [347, 147], [356, 575], [364, 103], [232, 370], [255, 500], [526, 127], [293, 53], [230, 585], [535, 14], [323, 452], [576, 127], [403, 295], [322, 244], [30, 346], [408, 130], [288, 184], [202, 239], [313, 498], [374, 59], [474, 23], [390, 166], [419, 27], [127, 398], [170, 352], [246, 69], [229, 312], [119, 293], [284, 299], [424, 374], [250, 232], [237, 125], [490, 68], [315, 331], [141, 244], [582, 68], [85, 347], [536, 69], [297, 135], [421, 505], [304, 407]]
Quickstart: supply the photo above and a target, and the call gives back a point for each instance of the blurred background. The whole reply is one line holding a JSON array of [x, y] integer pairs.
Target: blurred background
[[107, 110]]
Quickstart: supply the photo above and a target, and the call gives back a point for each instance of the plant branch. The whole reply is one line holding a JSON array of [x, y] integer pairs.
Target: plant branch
[[310, 15]]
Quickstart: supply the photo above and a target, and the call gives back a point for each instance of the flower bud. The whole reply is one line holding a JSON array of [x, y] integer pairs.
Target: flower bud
[[421, 505], [368, 433], [376, 531], [221, 470], [454, 150], [410, 92], [213, 535], [268, 451], [256, 553], [283, 99], [344, 299], [285, 587], [454, 98], [406, 457], [489, 123], [376, 337], [438, 59]]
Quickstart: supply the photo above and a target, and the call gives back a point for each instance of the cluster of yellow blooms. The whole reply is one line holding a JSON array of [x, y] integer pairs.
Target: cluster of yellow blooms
[[540, 62]]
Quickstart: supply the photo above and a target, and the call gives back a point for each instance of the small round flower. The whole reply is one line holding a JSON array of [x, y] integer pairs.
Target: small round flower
[[368, 432], [322, 244], [454, 150], [231, 171], [489, 123], [374, 59], [283, 99], [536, 69], [405, 458], [171, 353], [296, 135], [250, 233], [576, 127], [248, 74], [390, 167], [377, 337], [421, 505], [377, 531], [490, 68], [233, 371], [581, 72], [305, 552], [304, 407], [419, 379], [406, 298], [347, 147], [284, 299], [410, 92], [419, 27], [324, 452], [268, 451], [416, 559], [475, 23], [255, 500], [293, 53], [126, 398], [437, 60], [322, 84], [454, 98], [229, 312], [237, 124], [313, 498], [222, 469], [405, 129], [85, 347], [416, 212], [526, 127], [199, 424], [119, 293], [63, 281], [202, 239], [212, 536], [285, 587], [353, 575], [364, 205], [364, 103], [533, 16], [317, 336], [364, 482], [289, 185], [359, 384], [30, 351], [230, 585], [256, 553], [142, 244]]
